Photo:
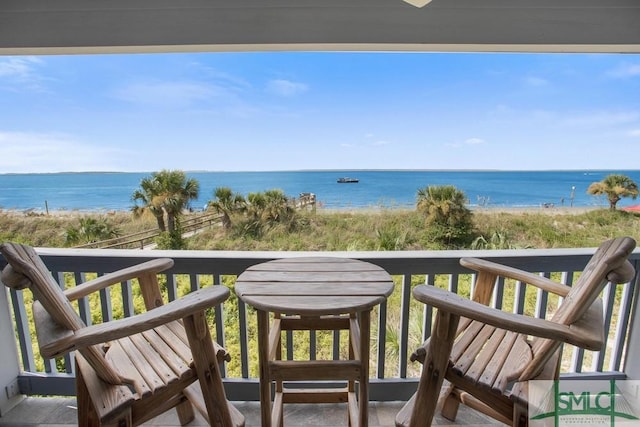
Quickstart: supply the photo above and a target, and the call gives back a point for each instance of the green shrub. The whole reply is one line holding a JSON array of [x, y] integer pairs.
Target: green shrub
[[171, 240]]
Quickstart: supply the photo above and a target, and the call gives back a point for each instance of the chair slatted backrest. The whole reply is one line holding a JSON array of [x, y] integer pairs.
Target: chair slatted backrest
[[26, 269], [609, 263]]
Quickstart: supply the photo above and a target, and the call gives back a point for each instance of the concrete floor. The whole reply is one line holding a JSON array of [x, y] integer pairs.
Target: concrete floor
[[61, 412]]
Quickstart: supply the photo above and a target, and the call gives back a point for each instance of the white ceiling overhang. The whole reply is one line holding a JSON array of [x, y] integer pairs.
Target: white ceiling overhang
[[102, 26]]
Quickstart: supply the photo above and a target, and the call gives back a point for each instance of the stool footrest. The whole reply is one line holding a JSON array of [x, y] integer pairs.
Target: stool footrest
[[294, 370], [332, 323], [315, 395]]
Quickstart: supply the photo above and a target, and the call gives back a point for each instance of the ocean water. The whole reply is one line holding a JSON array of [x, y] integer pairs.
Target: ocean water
[[389, 189]]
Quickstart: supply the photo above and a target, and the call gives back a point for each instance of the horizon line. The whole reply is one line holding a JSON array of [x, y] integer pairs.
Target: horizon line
[[327, 170]]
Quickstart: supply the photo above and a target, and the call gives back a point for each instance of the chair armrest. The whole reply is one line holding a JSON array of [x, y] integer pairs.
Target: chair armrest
[[543, 283], [581, 333], [150, 267], [53, 346]]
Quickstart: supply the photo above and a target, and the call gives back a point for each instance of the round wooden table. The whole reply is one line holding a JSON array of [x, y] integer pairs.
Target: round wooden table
[[314, 293]]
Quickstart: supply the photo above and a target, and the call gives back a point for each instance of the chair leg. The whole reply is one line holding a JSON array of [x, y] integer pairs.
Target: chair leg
[[206, 365], [434, 368], [451, 404], [520, 415], [86, 414], [185, 412], [124, 420]]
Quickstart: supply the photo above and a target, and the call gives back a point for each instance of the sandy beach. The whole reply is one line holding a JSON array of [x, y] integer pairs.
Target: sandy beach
[[552, 210]]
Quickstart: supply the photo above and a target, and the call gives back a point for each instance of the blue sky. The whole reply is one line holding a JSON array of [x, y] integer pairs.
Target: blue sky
[[300, 110]]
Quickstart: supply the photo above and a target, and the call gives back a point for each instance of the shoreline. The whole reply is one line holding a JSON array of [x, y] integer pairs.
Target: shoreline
[[548, 210], [557, 210]]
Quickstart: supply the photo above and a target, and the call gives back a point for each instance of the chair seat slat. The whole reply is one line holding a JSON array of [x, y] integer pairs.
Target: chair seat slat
[[486, 355], [155, 360], [179, 366], [175, 343], [120, 357], [478, 339], [465, 339], [494, 368]]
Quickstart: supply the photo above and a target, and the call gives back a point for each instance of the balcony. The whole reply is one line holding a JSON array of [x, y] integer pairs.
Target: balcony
[[398, 326]]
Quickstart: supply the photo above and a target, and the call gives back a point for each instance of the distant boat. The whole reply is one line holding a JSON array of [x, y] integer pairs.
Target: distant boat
[[347, 180]]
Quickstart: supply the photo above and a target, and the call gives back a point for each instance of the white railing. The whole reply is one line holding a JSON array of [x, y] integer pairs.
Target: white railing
[[398, 327]]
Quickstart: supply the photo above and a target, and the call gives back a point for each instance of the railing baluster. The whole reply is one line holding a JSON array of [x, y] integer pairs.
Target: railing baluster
[[172, 287], [498, 293], [542, 300], [22, 326], [289, 337], [336, 345], [49, 364], [127, 298], [382, 339], [430, 280], [622, 326], [68, 359], [105, 304], [609, 299], [519, 297], [244, 341], [472, 288], [453, 283], [218, 316], [404, 325], [83, 303], [312, 345], [194, 281]]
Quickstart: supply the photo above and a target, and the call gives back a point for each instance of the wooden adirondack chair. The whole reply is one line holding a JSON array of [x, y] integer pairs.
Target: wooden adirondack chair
[[130, 370], [486, 354]]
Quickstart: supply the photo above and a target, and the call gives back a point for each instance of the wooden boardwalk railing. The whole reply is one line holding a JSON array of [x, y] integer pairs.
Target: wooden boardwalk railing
[[191, 225], [146, 237]]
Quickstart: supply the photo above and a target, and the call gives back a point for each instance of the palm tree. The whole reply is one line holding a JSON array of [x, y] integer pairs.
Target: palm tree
[[150, 197], [446, 211], [167, 192], [178, 192], [615, 187], [226, 202], [91, 230], [277, 207]]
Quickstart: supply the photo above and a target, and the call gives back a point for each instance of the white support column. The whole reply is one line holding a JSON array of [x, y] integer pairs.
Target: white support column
[[10, 367]]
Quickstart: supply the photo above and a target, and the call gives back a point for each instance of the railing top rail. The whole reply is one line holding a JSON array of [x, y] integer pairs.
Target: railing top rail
[[234, 262]]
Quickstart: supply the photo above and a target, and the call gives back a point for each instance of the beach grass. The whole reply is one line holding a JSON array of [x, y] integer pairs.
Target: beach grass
[[406, 230], [357, 229]]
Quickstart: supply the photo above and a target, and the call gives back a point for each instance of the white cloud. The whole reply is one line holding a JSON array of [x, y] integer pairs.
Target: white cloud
[[286, 88], [634, 133], [474, 141], [626, 70], [381, 143], [40, 152], [18, 67], [21, 73], [536, 81], [168, 94], [603, 118]]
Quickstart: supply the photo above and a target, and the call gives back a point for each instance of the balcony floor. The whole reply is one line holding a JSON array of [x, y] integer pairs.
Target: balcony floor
[[61, 412]]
